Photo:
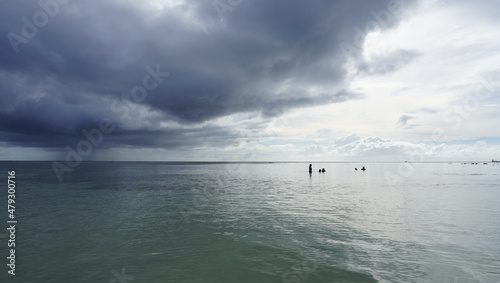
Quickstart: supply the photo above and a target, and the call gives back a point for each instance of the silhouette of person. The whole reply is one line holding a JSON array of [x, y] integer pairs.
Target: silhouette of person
[[363, 168], [319, 170], [310, 168], [323, 170]]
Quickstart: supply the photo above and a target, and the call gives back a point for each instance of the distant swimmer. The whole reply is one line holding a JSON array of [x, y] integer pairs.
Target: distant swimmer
[[355, 169], [323, 170], [310, 168], [319, 170], [363, 168]]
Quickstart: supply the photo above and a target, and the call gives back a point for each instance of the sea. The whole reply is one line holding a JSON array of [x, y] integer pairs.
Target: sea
[[203, 222]]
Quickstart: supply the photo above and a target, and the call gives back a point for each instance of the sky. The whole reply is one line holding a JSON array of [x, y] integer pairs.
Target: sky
[[250, 80]]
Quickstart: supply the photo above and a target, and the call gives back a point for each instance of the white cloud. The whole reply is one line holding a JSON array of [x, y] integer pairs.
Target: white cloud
[[456, 51], [354, 147]]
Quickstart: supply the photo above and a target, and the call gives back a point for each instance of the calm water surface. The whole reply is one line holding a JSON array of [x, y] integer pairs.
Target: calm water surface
[[258, 222]]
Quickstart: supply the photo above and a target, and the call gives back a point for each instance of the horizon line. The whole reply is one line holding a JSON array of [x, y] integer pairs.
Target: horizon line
[[267, 161]]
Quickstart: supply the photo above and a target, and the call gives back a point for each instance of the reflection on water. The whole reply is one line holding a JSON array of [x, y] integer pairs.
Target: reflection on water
[[258, 223]]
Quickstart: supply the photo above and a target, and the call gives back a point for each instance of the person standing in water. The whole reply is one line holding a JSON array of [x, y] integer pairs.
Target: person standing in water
[[310, 168]]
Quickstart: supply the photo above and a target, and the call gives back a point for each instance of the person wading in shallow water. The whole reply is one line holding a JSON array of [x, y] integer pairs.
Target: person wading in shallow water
[[310, 168]]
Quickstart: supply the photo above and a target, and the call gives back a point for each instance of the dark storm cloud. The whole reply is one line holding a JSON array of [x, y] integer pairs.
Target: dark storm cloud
[[260, 56]]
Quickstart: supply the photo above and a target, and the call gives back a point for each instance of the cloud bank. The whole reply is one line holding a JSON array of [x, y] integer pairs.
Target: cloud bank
[[67, 65]]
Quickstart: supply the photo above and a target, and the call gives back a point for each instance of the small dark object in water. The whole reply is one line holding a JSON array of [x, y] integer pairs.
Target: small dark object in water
[[355, 169], [363, 168], [323, 170], [310, 168]]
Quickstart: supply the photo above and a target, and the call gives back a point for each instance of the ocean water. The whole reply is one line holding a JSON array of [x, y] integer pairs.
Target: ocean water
[[254, 222]]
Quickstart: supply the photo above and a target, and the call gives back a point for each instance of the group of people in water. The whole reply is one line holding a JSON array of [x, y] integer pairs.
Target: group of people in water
[[323, 170]]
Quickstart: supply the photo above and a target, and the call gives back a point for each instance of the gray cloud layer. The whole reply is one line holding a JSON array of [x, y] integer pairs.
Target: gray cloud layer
[[262, 56]]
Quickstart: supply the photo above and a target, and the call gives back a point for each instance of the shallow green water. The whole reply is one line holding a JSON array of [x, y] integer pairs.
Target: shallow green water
[[160, 222]]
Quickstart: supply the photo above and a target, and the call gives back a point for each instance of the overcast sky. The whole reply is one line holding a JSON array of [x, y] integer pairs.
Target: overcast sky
[[250, 80]]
